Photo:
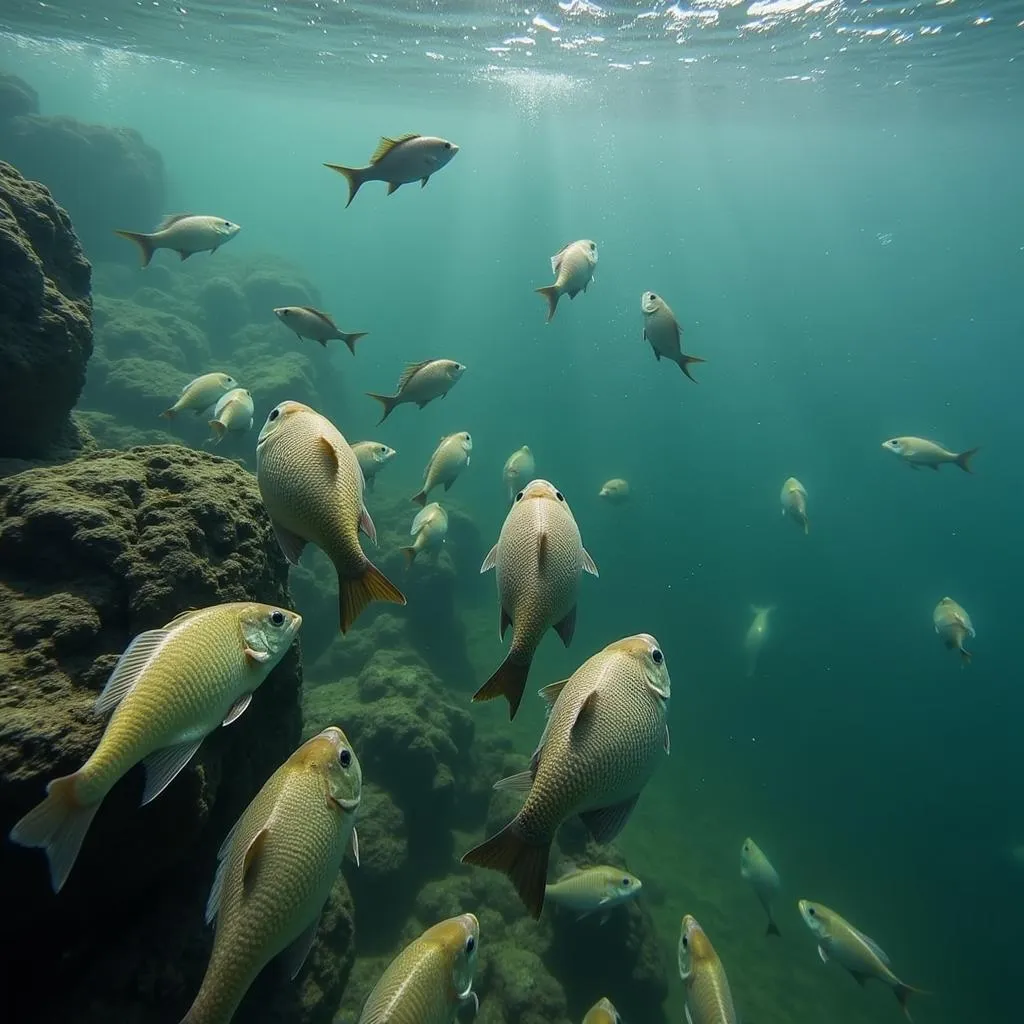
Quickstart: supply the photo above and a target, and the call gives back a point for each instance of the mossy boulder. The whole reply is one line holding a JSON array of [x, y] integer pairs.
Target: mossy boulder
[[127, 330]]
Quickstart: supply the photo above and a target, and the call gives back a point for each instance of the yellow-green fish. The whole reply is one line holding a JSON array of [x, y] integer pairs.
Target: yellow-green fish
[[185, 233], [573, 267], [605, 736], [794, 502], [316, 325], [431, 979], [420, 384], [596, 889], [602, 1012], [169, 690], [373, 457], [450, 458], [662, 331], [838, 940], [708, 998], [275, 871], [201, 394], [918, 451], [520, 468], [233, 411], [756, 869], [538, 561], [312, 488], [614, 491], [954, 626], [429, 528]]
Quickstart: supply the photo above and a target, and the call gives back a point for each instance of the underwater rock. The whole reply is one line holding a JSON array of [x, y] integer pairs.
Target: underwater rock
[[267, 287], [17, 97], [125, 329], [224, 306], [45, 319], [91, 553]]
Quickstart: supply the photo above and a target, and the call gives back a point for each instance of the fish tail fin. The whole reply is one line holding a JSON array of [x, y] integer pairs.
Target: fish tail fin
[[388, 401], [143, 241], [965, 656], [169, 414], [354, 177], [552, 294], [351, 339], [807, 526], [57, 825], [684, 365], [410, 556], [356, 592], [523, 863], [963, 460], [508, 681], [420, 497], [773, 928], [903, 993], [219, 430]]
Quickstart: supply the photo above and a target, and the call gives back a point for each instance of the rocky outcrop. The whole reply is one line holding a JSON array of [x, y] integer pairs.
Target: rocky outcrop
[[45, 319], [92, 553]]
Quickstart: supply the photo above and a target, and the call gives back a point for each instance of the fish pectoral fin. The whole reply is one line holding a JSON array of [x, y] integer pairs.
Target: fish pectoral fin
[[668, 740], [366, 525], [250, 862], [238, 708], [491, 560], [291, 544], [521, 782], [605, 823], [586, 710], [295, 955], [589, 565], [467, 997], [329, 452], [823, 954], [551, 691], [689, 1016], [129, 668], [448, 483], [163, 766], [567, 626], [355, 847], [504, 621]]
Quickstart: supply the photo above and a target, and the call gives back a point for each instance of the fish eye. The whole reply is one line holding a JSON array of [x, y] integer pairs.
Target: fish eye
[[277, 618], [345, 757], [448, 145], [559, 496], [654, 298], [657, 656], [685, 942], [626, 883], [274, 413], [812, 911], [470, 944], [519, 496], [592, 246], [226, 223]]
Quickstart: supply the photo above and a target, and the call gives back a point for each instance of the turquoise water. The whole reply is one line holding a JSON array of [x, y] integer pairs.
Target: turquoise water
[[841, 236]]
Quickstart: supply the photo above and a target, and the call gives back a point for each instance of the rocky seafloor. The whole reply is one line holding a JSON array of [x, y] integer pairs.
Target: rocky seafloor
[[110, 525]]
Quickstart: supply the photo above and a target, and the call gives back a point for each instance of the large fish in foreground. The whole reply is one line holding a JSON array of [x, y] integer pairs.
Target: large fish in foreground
[[605, 736], [275, 871], [431, 979], [420, 384], [573, 267], [169, 690], [757, 869], [708, 997], [185, 233], [312, 487], [838, 940], [662, 331], [539, 559]]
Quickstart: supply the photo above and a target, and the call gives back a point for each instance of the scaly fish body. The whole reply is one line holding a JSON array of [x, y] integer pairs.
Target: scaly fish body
[[918, 451], [170, 689], [954, 626], [312, 487], [602, 1012], [233, 412], [276, 869], [708, 997], [185, 233], [539, 559], [518, 471], [756, 869], [420, 384], [615, 491], [316, 325], [662, 331], [372, 457], [429, 528], [450, 458], [756, 636], [202, 393], [573, 267], [605, 736], [430, 979], [794, 502], [594, 889]]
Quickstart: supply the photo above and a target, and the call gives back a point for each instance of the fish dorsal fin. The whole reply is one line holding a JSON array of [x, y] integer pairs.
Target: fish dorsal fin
[[320, 315], [181, 616], [171, 218], [330, 452], [386, 145], [585, 712], [569, 872], [252, 857], [410, 371], [129, 668], [551, 692], [217, 889], [872, 945]]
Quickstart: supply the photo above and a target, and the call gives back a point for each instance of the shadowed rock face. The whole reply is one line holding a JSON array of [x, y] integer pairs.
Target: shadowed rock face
[[91, 553], [45, 319]]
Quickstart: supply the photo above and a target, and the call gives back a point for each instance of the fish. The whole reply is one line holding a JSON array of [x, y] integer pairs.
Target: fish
[[794, 502], [312, 487], [429, 528], [662, 331], [602, 1012], [606, 734], [185, 233], [756, 869], [573, 267], [431, 979], [838, 940], [399, 162], [518, 471], [420, 384], [538, 562], [954, 626], [450, 458], [757, 634], [170, 689], [708, 996], [233, 411], [373, 457], [596, 889], [275, 871], [615, 491], [201, 394], [917, 452], [311, 323]]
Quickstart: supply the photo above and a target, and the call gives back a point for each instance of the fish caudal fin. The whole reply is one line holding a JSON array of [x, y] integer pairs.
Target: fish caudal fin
[[356, 592], [410, 556], [388, 401], [354, 177], [552, 294], [525, 864], [143, 241], [965, 656], [903, 993], [508, 681], [963, 460], [57, 825], [351, 339], [219, 430], [420, 497], [684, 362]]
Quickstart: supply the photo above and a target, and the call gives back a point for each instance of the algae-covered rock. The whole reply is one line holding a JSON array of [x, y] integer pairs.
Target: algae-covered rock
[[271, 286], [45, 318], [127, 330], [224, 305], [92, 553], [16, 97]]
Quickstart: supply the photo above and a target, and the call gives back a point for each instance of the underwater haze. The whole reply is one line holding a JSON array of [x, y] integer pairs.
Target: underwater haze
[[828, 195]]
